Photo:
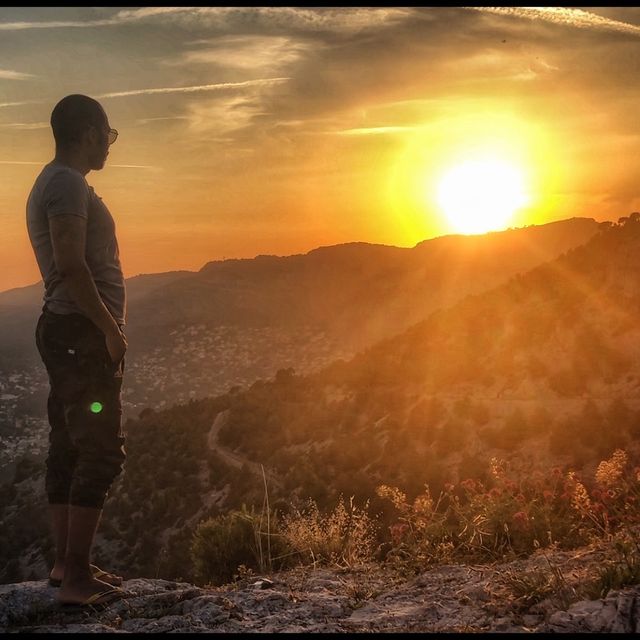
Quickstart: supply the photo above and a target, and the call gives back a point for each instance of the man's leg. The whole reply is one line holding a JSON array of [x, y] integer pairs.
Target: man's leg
[[85, 453], [94, 421], [59, 516], [78, 583], [60, 466]]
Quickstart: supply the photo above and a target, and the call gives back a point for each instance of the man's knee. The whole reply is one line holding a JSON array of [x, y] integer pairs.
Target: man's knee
[[95, 475]]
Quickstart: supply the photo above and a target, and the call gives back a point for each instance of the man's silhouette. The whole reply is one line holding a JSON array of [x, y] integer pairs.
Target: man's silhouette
[[80, 339]]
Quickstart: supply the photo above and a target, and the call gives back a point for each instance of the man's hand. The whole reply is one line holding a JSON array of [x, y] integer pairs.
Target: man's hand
[[116, 345]]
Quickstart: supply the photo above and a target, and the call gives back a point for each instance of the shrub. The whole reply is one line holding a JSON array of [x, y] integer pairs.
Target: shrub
[[221, 544], [343, 537], [515, 513]]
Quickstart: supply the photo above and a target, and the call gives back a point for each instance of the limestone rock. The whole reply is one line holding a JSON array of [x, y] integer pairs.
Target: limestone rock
[[447, 598]]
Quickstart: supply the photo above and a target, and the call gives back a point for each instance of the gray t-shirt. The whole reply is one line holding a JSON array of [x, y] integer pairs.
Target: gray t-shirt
[[59, 190]]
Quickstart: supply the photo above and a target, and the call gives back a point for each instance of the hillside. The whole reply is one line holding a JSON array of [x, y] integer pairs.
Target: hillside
[[541, 371], [193, 335]]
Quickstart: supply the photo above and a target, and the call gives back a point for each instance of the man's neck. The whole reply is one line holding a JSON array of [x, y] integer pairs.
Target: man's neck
[[73, 160]]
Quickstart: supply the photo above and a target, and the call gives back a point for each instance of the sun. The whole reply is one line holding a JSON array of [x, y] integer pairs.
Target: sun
[[481, 194]]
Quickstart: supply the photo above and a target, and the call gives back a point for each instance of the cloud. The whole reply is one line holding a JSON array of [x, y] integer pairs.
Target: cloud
[[134, 166], [6, 74], [336, 19], [117, 166], [223, 116], [20, 103], [566, 16], [25, 126], [247, 52], [148, 120], [365, 131], [192, 89]]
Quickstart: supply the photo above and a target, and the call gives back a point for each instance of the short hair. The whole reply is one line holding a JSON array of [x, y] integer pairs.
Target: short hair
[[71, 117]]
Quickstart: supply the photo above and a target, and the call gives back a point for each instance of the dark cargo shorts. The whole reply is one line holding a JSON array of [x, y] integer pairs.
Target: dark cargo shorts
[[86, 443]]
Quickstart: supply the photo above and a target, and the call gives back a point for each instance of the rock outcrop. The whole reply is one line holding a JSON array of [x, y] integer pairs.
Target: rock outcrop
[[447, 598]]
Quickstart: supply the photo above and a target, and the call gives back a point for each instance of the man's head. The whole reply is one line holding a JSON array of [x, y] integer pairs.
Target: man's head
[[80, 124]]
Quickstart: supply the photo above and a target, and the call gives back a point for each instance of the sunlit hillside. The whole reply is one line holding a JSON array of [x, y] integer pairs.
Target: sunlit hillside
[[543, 370], [195, 334]]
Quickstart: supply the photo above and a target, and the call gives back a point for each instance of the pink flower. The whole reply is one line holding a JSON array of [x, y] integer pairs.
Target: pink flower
[[468, 485], [398, 531], [521, 520]]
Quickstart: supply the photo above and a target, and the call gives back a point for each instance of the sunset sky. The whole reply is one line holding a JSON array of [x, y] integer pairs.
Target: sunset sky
[[247, 131]]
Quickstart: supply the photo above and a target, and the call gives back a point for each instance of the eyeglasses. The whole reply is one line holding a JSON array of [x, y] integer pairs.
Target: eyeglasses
[[112, 136]]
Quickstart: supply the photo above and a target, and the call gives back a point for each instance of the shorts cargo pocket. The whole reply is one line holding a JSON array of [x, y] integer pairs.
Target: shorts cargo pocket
[[68, 378]]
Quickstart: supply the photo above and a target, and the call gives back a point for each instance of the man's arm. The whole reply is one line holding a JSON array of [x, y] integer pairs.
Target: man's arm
[[68, 238]]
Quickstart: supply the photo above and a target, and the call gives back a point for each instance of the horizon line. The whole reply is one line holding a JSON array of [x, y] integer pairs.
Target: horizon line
[[380, 244]]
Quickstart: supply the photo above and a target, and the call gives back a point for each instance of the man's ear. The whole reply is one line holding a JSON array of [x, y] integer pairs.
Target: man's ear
[[91, 134]]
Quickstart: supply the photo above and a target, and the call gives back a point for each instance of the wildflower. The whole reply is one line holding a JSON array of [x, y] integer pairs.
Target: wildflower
[[610, 471], [521, 499], [469, 485], [510, 485], [547, 495], [423, 503], [521, 520], [580, 499], [392, 493], [398, 532], [496, 468]]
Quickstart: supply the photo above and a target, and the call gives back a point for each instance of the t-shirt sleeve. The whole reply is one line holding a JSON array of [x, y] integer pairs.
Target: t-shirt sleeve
[[67, 193]]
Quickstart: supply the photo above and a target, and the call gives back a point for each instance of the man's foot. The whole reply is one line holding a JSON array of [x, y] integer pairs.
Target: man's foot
[[90, 592], [57, 573]]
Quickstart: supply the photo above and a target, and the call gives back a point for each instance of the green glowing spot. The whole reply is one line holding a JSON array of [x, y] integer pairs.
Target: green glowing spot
[[96, 407]]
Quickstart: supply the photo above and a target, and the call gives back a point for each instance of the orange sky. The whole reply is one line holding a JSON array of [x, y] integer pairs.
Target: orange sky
[[276, 130]]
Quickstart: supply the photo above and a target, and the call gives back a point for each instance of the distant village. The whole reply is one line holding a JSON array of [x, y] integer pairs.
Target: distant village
[[198, 361]]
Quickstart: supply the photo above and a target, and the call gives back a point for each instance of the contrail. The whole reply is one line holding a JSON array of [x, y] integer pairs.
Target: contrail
[[117, 166], [365, 131], [202, 87], [192, 89], [564, 15], [8, 74]]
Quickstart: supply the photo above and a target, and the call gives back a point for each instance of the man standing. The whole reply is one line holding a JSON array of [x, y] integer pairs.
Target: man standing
[[80, 339]]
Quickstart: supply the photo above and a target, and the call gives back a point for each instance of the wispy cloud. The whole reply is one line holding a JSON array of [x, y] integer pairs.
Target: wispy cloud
[[339, 19], [7, 74], [193, 89], [121, 17], [135, 166], [26, 126], [117, 166], [367, 131], [262, 82], [564, 15], [223, 116], [247, 52], [19, 104], [148, 120]]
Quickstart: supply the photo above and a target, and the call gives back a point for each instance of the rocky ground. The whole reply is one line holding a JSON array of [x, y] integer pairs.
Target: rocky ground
[[536, 594]]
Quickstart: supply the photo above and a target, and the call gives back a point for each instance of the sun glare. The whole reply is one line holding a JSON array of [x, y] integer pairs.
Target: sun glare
[[481, 195]]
